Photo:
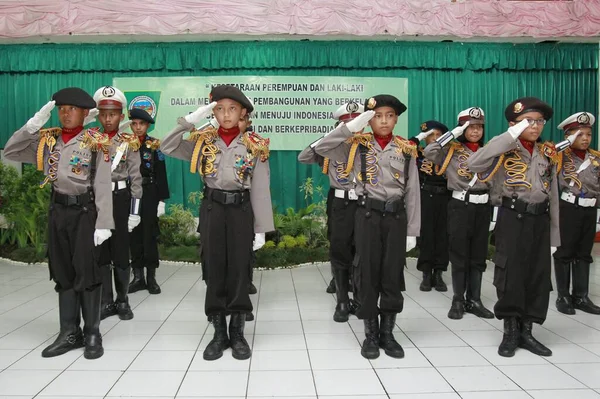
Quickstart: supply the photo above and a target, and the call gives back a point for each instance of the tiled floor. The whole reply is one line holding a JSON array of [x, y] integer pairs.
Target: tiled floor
[[299, 352]]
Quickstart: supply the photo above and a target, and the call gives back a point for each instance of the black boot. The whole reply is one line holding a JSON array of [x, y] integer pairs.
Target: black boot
[[90, 308], [331, 287], [386, 336], [251, 287], [108, 308], [370, 346], [70, 335], [510, 340], [562, 272], [438, 281], [426, 283], [139, 282], [220, 341], [239, 346], [153, 287], [474, 305], [122, 286], [249, 316], [457, 309], [527, 341], [342, 309], [581, 282]]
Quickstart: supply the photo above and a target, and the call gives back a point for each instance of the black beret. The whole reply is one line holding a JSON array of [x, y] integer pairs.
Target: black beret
[[527, 104], [427, 126], [233, 93], [385, 100], [74, 96], [138, 113]]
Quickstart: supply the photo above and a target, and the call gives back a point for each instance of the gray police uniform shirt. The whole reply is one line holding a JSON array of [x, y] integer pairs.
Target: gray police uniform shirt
[[128, 167], [336, 170], [532, 177], [68, 169], [225, 173], [585, 184], [457, 173], [386, 180]]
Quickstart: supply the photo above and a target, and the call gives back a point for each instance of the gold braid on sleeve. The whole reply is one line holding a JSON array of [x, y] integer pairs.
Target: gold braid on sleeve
[[448, 158], [325, 168], [355, 141], [47, 138]]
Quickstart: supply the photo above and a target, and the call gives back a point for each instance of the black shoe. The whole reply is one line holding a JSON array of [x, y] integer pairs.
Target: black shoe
[[70, 336], [239, 346], [342, 312], [581, 283], [585, 304], [510, 340], [457, 310], [153, 287], [122, 287], [139, 282], [342, 309], [124, 310], [331, 287], [249, 316], [220, 341], [426, 283], [370, 346], [108, 310], [565, 305], [90, 309], [387, 341], [477, 308], [438, 281], [527, 341], [252, 288]]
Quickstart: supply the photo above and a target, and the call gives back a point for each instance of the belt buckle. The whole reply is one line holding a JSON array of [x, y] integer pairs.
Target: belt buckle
[[72, 200], [229, 198], [389, 206], [352, 195]]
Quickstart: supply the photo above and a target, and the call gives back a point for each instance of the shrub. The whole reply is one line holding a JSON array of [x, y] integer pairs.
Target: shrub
[[176, 227]]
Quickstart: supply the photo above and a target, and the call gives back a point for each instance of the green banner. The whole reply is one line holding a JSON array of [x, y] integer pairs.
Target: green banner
[[292, 111]]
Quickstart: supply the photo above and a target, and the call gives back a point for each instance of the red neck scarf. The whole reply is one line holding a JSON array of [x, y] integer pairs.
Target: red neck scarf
[[528, 145], [383, 140], [111, 134], [579, 153], [227, 135], [142, 138], [68, 134], [472, 146]]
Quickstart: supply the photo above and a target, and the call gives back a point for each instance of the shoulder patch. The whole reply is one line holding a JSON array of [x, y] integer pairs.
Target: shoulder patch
[[549, 150], [406, 146], [258, 146]]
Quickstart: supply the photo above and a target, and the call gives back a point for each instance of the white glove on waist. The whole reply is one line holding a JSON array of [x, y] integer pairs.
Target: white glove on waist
[[259, 241], [424, 135], [201, 113], [91, 116], [133, 222], [40, 118], [494, 217], [516, 130], [360, 122], [161, 209], [597, 220], [101, 235], [553, 250], [411, 242]]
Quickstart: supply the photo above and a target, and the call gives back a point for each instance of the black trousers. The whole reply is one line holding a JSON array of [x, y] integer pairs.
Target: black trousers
[[468, 229], [522, 275], [115, 250], [73, 260], [143, 239], [433, 242], [226, 235], [341, 239], [577, 233], [379, 262]]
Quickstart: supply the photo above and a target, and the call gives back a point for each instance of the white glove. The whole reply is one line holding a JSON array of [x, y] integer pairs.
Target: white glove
[[360, 122], [40, 118], [133, 221], [259, 241], [516, 130], [91, 116], [459, 130], [411, 242], [573, 137], [101, 235], [553, 250], [424, 135], [201, 113], [597, 220], [123, 126], [161, 209], [494, 217], [597, 227]]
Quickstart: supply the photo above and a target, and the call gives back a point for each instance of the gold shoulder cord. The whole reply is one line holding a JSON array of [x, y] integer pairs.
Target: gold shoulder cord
[[132, 141], [258, 146], [205, 142], [516, 171], [405, 147], [453, 147], [355, 141], [325, 168], [485, 177], [569, 170], [47, 138], [153, 144]]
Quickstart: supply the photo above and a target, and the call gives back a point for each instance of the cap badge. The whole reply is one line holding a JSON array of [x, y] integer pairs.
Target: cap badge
[[583, 119], [352, 107], [371, 103], [475, 113], [108, 91], [423, 127], [518, 108]]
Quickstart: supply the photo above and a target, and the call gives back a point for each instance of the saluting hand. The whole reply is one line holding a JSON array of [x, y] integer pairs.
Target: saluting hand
[[40, 118], [424, 135], [573, 137], [91, 116], [360, 122], [516, 130], [200, 114], [459, 130]]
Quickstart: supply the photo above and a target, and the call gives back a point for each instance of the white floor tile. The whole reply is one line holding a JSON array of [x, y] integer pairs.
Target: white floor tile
[[523, 357], [571, 353], [214, 383], [340, 359], [480, 338], [115, 341], [147, 383], [330, 341], [561, 394], [325, 327], [413, 358], [280, 360], [10, 356], [226, 363], [495, 395], [25, 382], [277, 315], [540, 377], [133, 327], [174, 342], [183, 327], [278, 327], [347, 382], [413, 381], [162, 361], [281, 383], [425, 396], [457, 356], [112, 360], [423, 325], [435, 339], [480, 378], [93, 383], [279, 342], [588, 374], [35, 361]]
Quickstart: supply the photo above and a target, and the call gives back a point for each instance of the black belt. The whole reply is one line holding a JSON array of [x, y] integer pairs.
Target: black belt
[[72, 200], [227, 197], [520, 206], [148, 180], [434, 189], [381, 206]]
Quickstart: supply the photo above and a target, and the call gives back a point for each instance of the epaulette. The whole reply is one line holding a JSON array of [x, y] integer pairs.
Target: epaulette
[[132, 141], [406, 146], [95, 140], [47, 138], [258, 146], [559, 165], [595, 153], [549, 150], [153, 144], [202, 137], [454, 146]]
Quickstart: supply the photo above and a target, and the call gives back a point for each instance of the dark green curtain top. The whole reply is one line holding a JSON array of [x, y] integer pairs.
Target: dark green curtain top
[[219, 56]]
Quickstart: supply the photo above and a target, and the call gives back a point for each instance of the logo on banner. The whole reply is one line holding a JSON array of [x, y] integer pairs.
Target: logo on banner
[[147, 100]]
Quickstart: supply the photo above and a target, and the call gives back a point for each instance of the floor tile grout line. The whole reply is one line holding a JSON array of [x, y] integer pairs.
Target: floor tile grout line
[[254, 333]]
